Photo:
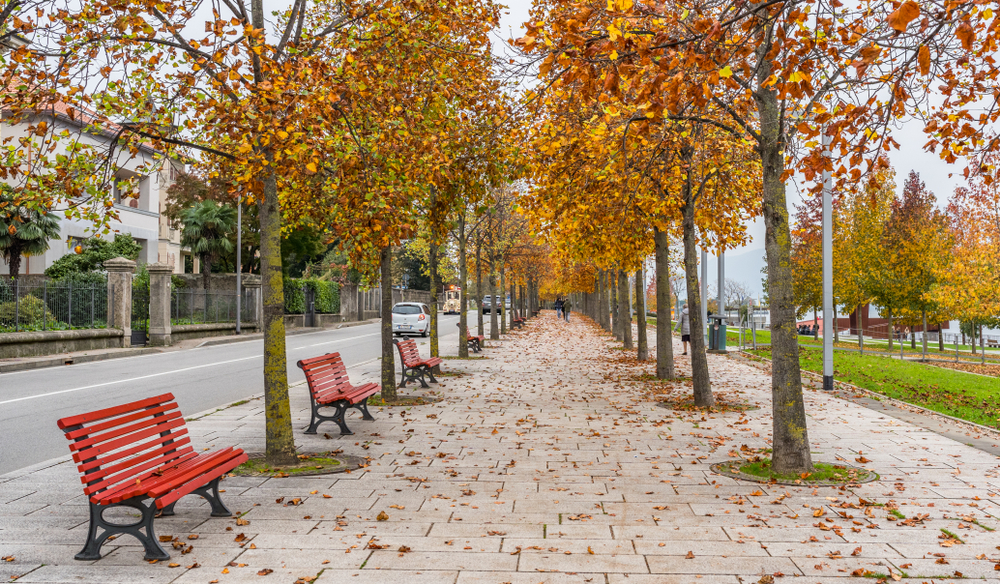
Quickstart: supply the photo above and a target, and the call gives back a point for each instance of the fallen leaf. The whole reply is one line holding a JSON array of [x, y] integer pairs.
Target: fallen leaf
[[382, 516], [265, 572]]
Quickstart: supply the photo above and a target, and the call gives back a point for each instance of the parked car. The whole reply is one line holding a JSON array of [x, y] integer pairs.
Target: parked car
[[488, 304], [411, 318]]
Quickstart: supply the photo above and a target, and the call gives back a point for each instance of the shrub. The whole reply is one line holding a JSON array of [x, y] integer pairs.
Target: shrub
[[31, 314], [95, 252], [295, 299]]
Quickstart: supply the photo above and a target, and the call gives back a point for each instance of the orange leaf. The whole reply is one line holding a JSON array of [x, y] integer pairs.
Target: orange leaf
[[903, 15], [924, 59]]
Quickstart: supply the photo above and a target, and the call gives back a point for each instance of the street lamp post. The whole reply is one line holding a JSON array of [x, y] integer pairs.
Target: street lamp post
[[828, 323]]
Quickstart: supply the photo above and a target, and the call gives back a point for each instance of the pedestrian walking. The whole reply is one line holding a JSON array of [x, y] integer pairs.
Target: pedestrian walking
[[566, 307], [559, 307], [684, 322]]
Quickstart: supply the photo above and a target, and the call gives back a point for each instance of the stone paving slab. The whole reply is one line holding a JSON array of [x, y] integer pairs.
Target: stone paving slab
[[554, 468]]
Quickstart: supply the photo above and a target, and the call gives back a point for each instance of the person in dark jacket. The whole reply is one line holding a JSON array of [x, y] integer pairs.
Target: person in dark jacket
[[559, 307]]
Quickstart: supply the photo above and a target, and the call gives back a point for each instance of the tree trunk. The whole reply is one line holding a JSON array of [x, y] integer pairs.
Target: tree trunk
[[861, 330], [790, 436], [479, 289], [940, 338], [388, 348], [494, 328], [513, 302], [14, 265], [642, 351], [923, 336], [435, 286], [206, 272], [280, 447], [891, 331], [625, 309], [913, 339], [664, 338], [463, 297], [836, 326], [616, 319], [815, 325], [502, 305], [699, 359]]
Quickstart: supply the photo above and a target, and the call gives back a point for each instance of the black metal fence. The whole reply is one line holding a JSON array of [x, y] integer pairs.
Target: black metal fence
[[188, 306], [52, 306]]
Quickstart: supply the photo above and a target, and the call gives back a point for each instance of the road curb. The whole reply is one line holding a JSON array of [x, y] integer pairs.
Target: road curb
[[73, 360]]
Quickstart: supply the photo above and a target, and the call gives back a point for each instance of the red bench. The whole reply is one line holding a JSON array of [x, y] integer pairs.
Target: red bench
[[139, 455], [517, 322], [329, 387], [414, 367], [475, 342]]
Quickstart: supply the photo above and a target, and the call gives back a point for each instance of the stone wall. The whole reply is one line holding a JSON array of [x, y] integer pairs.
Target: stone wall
[[33, 344], [182, 332]]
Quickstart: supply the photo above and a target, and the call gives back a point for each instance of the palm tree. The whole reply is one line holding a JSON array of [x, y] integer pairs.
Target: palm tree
[[205, 229], [24, 231]]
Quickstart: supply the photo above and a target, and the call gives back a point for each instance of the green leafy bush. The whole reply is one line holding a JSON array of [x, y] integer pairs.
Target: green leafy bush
[[295, 299], [326, 294], [30, 312], [94, 253]]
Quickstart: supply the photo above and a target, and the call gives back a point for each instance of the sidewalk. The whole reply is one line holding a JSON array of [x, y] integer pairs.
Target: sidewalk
[[544, 463]]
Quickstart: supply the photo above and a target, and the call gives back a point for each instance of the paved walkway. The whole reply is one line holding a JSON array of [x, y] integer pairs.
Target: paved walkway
[[545, 463]]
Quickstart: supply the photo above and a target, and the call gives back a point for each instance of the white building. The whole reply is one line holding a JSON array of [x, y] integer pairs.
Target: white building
[[141, 217]]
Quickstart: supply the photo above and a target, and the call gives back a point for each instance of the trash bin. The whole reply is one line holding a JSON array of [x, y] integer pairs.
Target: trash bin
[[717, 333]]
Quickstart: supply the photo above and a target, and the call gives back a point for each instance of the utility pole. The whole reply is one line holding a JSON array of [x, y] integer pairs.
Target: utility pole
[[828, 324], [722, 282]]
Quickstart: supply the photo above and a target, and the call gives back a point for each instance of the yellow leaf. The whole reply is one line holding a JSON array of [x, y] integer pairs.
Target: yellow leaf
[[684, 14], [614, 55], [726, 72], [282, 134], [311, 167]]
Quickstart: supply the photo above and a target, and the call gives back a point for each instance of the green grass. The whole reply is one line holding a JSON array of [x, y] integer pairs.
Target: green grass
[[895, 513], [253, 466], [822, 472], [955, 393], [733, 336]]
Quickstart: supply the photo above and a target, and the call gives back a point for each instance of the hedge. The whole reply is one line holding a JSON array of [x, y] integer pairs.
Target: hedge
[[327, 296]]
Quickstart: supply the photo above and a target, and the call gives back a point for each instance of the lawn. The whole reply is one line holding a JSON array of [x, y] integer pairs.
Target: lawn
[[733, 336], [962, 395]]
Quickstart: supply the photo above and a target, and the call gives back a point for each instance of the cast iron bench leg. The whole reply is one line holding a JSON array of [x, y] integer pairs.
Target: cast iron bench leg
[[430, 373], [210, 493], [362, 406], [92, 549], [338, 417]]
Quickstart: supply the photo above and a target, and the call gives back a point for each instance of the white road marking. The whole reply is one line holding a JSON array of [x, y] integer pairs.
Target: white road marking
[[171, 372]]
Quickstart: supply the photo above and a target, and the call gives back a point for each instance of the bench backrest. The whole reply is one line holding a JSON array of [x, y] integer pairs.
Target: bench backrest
[[408, 352], [113, 446], [325, 373]]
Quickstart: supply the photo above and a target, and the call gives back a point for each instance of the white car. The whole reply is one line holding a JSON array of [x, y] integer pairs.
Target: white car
[[411, 318]]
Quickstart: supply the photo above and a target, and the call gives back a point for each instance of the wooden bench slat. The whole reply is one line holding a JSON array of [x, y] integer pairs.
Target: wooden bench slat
[[119, 421], [71, 421], [159, 424]]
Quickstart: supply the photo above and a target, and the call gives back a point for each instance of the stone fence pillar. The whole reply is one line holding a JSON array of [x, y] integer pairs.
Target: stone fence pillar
[[253, 282], [159, 304], [120, 271]]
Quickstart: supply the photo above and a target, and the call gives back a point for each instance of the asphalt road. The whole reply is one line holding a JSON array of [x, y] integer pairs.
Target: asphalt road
[[200, 379]]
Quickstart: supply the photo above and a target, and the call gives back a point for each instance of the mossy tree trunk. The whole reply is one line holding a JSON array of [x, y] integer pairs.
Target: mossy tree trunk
[[699, 360], [479, 288], [280, 441], [642, 350], [664, 338], [463, 298], [388, 348], [790, 437], [625, 309], [494, 326]]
